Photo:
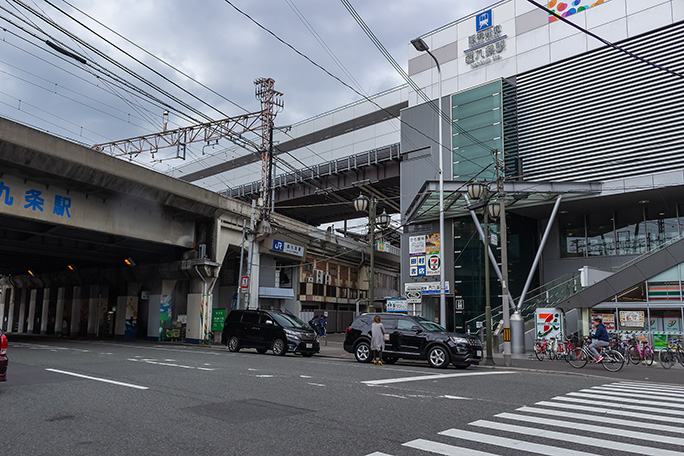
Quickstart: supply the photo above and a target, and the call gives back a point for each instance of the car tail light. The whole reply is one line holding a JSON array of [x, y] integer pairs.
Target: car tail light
[[3, 345], [347, 331]]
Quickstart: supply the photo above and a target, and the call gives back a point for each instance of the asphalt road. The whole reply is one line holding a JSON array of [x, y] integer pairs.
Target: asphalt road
[[173, 399]]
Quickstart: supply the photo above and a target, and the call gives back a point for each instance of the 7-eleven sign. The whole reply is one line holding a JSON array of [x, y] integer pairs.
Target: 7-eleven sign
[[434, 265]]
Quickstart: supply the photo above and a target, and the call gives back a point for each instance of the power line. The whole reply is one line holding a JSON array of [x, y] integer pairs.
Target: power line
[[606, 42], [365, 97]]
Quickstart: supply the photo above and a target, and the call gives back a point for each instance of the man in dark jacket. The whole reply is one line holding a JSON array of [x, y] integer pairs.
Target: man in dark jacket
[[602, 339]]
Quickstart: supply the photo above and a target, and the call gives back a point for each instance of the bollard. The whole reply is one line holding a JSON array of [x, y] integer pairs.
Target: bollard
[[517, 333]]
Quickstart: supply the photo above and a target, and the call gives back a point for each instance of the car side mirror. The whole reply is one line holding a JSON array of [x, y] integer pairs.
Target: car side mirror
[[269, 322], [416, 328]]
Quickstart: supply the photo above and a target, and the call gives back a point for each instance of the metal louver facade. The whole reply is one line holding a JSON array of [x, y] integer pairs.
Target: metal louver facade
[[603, 115]]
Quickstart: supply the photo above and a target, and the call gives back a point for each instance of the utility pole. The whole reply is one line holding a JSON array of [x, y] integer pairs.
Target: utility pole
[[271, 102]]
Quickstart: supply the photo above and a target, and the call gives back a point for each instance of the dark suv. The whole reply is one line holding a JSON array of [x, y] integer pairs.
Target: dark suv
[[413, 338], [268, 330]]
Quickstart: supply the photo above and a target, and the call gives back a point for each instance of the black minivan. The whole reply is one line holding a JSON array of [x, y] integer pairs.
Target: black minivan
[[413, 337], [268, 330]]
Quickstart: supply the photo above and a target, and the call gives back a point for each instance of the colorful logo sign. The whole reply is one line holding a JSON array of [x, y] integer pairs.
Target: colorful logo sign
[[570, 7]]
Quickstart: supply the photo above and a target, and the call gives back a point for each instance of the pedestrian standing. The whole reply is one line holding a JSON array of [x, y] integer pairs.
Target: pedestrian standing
[[377, 340]]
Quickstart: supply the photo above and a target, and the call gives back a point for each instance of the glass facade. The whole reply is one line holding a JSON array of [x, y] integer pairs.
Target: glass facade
[[631, 230], [469, 262], [484, 120]]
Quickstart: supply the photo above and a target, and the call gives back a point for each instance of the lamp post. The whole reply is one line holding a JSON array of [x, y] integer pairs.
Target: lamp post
[[361, 204], [480, 192], [421, 46]]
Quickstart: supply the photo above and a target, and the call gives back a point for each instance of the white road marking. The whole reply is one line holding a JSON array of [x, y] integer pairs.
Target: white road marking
[[441, 448], [642, 408], [630, 394], [306, 376], [377, 453], [598, 428], [575, 438], [104, 380], [316, 384], [515, 444], [159, 363], [629, 400], [393, 395], [264, 376], [606, 419], [431, 377], [607, 411], [654, 386], [447, 396]]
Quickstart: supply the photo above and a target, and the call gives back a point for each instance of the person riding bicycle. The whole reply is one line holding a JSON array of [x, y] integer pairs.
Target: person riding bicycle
[[602, 339]]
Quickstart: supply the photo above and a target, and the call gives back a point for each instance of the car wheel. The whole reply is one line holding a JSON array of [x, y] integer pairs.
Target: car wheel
[[261, 351], [233, 344], [363, 352], [438, 357], [279, 347]]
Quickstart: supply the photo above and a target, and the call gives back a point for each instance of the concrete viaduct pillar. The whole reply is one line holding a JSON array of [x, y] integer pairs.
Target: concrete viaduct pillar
[[59, 311]]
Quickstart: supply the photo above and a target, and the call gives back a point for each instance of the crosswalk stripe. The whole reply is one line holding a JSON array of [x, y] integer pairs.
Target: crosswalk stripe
[[575, 438], [378, 453], [622, 406], [515, 444], [630, 393], [605, 419], [608, 411], [652, 387], [606, 397], [596, 427], [442, 448]]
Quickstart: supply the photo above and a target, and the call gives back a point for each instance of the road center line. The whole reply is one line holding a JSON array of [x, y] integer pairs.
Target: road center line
[[104, 380], [431, 377]]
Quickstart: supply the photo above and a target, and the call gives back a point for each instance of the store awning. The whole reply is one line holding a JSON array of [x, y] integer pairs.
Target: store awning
[[518, 194], [276, 293]]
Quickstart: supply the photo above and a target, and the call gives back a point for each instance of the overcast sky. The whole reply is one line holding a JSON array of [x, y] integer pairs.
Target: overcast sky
[[211, 42]]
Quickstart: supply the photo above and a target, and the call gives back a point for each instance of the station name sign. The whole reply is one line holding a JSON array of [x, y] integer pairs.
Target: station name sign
[[487, 44]]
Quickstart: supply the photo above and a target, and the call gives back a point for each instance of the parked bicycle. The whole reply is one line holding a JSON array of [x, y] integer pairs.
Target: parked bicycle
[[611, 360], [639, 352], [672, 354], [545, 348], [562, 348]]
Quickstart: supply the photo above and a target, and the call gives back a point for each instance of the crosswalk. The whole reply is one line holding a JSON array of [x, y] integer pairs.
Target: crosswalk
[[614, 418]]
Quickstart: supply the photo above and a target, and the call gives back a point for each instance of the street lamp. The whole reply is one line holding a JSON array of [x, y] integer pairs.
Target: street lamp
[[421, 46], [480, 192], [361, 203]]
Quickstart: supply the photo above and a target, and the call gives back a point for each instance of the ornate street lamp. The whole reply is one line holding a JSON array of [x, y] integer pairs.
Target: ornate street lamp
[[361, 203], [477, 191]]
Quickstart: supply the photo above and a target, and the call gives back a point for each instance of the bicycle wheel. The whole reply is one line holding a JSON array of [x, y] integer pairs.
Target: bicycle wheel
[[666, 357], [680, 356], [625, 354], [648, 356], [577, 358], [539, 351], [634, 355], [612, 360]]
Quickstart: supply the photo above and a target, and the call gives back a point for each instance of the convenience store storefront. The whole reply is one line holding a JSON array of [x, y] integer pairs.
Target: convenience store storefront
[[651, 310]]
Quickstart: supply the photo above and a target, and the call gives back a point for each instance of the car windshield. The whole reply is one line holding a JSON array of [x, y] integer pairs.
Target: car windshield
[[430, 326], [290, 321]]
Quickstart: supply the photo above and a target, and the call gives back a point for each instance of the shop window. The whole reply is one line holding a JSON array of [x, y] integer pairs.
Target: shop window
[[572, 236], [600, 234], [630, 231], [661, 224], [331, 291]]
